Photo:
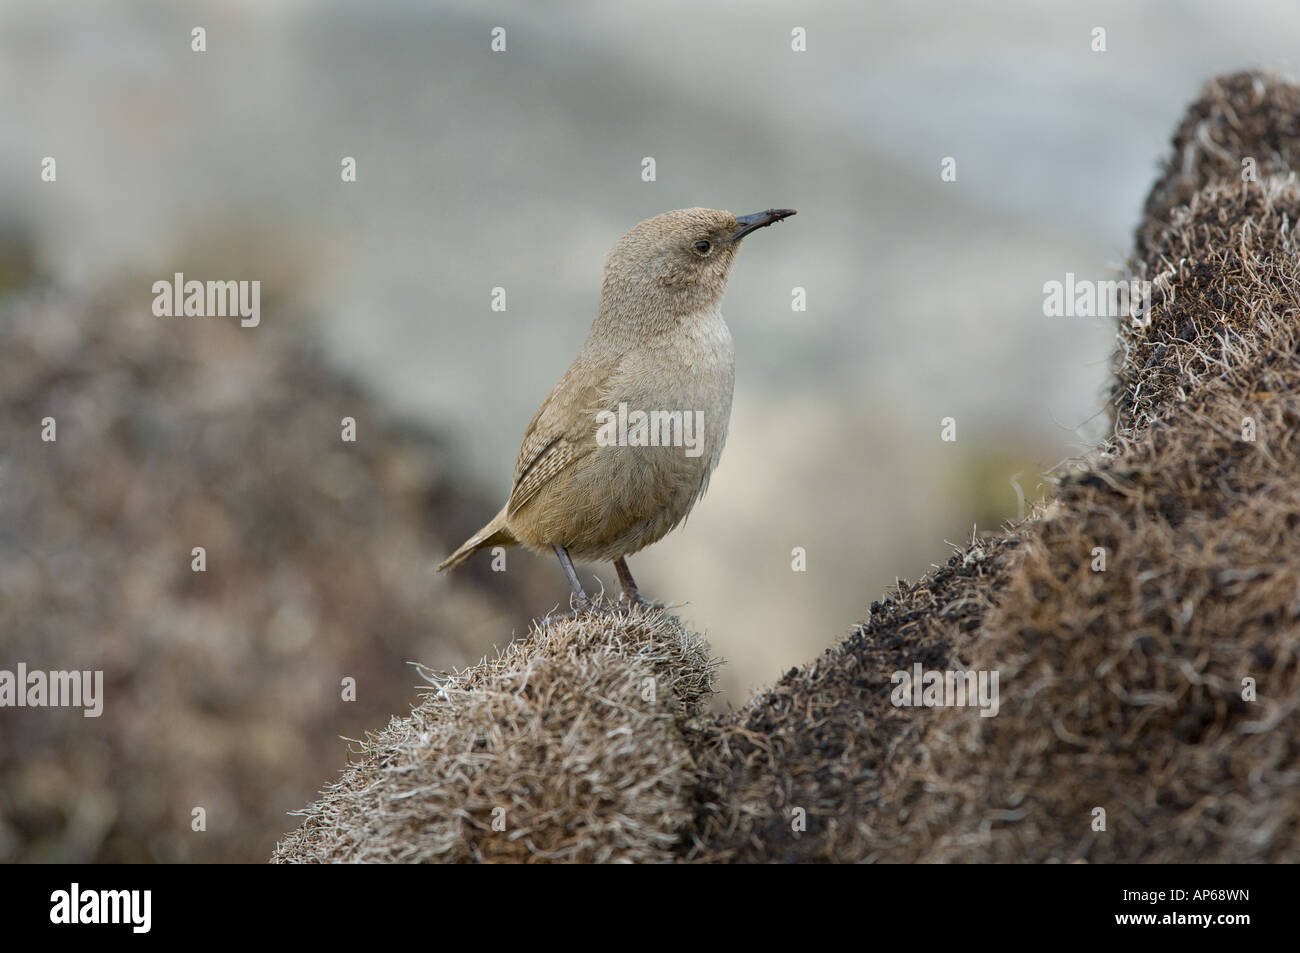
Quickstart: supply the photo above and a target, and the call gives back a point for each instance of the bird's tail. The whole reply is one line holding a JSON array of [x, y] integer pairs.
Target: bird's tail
[[495, 533]]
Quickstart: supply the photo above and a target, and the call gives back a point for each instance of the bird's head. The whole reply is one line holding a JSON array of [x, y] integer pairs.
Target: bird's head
[[680, 260]]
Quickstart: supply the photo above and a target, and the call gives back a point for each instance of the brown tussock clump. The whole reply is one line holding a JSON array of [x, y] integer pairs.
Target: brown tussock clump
[[1120, 690], [1123, 689], [570, 741], [821, 738], [221, 686], [1237, 116], [1216, 307]]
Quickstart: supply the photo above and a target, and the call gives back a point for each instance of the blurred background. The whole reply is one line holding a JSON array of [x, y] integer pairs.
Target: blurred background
[[516, 169]]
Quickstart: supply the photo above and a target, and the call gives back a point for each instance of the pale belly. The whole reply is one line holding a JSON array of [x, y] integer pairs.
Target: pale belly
[[667, 423]]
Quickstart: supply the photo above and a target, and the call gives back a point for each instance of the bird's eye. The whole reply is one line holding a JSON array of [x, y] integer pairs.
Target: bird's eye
[[702, 246]]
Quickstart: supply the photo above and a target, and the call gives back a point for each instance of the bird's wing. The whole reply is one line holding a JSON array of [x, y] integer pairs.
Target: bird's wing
[[563, 430]]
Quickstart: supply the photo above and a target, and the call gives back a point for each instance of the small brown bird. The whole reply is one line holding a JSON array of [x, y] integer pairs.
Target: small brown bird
[[625, 443]]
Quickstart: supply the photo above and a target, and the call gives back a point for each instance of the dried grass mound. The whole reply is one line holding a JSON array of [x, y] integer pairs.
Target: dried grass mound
[[222, 687], [820, 740], [1121, 690], [1224, 300], [1165, 689], [1247, 115], [567, 747]]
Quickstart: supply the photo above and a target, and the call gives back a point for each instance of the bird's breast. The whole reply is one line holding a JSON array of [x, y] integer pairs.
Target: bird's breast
[[691, 371], [659, 430]]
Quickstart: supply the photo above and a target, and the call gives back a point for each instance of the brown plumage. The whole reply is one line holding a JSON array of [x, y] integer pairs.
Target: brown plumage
[[658, 344]]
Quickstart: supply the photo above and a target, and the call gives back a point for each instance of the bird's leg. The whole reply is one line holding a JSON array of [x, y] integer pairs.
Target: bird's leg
[[630, 590], [567, 563]]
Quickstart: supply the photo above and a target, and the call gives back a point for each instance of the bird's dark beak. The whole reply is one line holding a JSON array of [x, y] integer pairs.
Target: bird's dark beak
[[749, 223]]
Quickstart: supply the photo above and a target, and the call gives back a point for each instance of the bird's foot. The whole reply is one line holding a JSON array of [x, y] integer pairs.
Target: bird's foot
[[634, 598], [580, 606]]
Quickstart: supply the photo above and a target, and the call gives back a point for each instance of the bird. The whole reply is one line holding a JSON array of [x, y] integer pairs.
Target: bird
[[623, 447]]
